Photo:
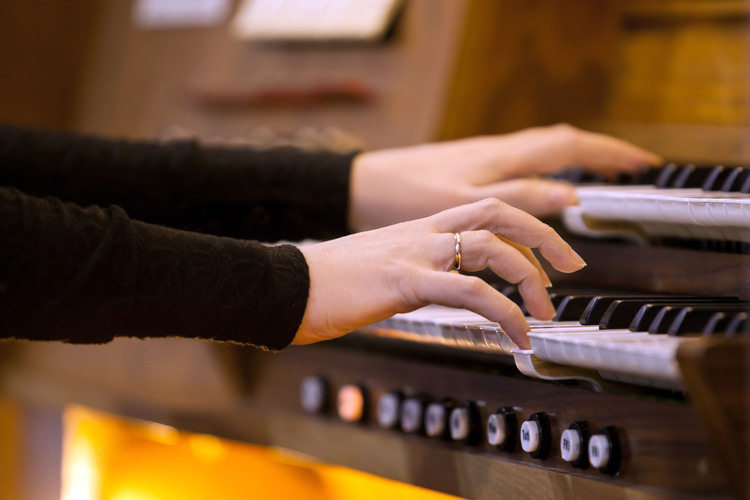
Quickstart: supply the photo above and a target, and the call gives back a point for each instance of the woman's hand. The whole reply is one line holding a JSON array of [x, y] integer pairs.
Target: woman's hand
[[367, 277], [394, 185]]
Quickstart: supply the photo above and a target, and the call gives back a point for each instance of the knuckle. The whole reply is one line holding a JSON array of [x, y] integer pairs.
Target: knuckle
[[564, 129], [490, 204], [548, 232], [474, 285], [566, 134], [508, 309], [485, 238]]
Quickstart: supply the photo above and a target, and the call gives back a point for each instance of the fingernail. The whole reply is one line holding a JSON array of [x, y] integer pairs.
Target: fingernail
[[654, 161], [551, 311], [658, 160], [546, 280], [577, 259]]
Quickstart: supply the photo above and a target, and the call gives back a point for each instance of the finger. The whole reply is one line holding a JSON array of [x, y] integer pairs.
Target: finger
[[470, 292], [604, 153], [538, 197], [482, 249], [513, 262], [531, 257], [513, 224], [548, 149]]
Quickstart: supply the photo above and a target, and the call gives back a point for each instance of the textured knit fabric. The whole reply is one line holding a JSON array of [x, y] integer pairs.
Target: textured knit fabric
[[103, 238]]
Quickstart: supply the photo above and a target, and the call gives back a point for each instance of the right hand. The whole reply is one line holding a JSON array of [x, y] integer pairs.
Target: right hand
[[394, 185]]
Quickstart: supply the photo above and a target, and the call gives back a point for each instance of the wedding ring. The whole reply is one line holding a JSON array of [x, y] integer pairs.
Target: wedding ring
[[457, 260]]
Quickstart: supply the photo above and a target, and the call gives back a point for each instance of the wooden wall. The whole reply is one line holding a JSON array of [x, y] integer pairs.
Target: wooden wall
[[671, 75], [44, 47]]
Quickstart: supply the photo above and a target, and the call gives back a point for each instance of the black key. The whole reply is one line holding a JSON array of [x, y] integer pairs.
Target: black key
[[556, 298], [579, 175], [663, 319], [646, 314], [740, 323], [621, 313], [731, 179], [598, 305], [666, 174], [573, 175], [570, 303], [694, 318], [716, 178], [716, 323], [745, 186], [690, 176], [625, 179], [646, 176], [571, 307], [736, 182]]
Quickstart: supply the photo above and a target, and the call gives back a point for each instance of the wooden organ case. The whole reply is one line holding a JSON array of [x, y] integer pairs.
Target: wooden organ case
[[669, 75]]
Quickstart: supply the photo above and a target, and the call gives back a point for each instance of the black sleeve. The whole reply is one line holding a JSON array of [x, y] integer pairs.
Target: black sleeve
[[88, 275], [267, 195]]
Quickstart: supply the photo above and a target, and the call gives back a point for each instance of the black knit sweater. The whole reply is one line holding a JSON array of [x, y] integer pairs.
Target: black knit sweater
[[102, 238]]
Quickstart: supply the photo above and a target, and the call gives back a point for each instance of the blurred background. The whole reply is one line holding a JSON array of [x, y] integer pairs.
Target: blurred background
[[668, 74]]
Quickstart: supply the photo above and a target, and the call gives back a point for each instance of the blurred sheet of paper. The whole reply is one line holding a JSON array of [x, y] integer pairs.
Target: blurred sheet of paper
[[302, 20], [160, 14]]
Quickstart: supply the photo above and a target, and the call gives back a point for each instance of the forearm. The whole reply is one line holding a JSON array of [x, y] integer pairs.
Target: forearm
[[240, 192], [88, 275]]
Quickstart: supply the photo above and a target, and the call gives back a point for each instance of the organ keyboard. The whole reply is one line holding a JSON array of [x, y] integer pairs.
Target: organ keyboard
[[683, 201], [622, 354], [634, 336]]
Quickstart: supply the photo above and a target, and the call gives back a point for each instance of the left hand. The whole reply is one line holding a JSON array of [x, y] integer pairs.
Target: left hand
[[395, 185], [369, 276]]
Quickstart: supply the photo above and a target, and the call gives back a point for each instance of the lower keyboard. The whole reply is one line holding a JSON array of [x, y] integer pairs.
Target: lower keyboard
[[621, 355]]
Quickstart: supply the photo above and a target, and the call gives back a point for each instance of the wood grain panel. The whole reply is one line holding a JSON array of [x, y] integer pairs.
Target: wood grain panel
[[716, 375], [44, 47], [524, 64], [665, 269]]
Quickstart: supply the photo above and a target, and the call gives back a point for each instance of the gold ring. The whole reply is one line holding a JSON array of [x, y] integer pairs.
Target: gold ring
[[457, 260]]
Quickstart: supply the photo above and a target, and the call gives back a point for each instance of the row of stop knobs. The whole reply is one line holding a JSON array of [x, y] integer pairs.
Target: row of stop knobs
[[462, 422]]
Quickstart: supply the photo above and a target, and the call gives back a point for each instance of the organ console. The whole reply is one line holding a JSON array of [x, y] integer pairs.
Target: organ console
[[637, 389]]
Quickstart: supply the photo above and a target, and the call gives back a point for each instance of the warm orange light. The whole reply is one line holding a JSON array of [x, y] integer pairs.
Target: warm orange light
[[110, 458]]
